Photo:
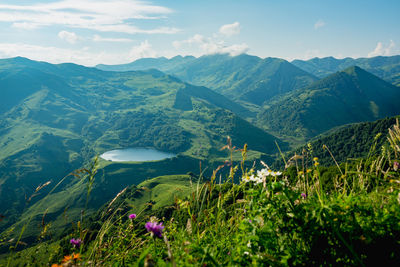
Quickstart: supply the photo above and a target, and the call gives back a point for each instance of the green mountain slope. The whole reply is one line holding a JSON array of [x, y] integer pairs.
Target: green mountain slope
[[63, 115], [353, 95], [242, 78], [350, 141], [387, 68]]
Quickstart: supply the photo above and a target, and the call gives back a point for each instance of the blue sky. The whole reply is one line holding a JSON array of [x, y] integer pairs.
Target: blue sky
[[90, 32]]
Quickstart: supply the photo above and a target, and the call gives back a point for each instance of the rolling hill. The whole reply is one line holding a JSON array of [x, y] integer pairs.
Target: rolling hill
[[352, 95]]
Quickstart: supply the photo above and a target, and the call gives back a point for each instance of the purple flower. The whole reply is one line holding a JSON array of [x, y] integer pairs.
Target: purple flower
[[396, 166], [155, 228], [303, 195], [132, 216], [76, 242]]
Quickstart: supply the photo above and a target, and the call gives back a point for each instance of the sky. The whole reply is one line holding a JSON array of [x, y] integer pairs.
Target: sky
[[91, 32]]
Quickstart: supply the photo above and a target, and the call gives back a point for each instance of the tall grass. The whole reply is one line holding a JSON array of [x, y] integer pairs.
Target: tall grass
[[267, 218]]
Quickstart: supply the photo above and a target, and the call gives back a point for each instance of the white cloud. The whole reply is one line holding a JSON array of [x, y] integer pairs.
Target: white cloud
[[230, 29], [144, 50], [319, 24], [213, 45], [233, 50], [196, 39], [102, 15], [381, 50], [25, 25], [98, 38], [70, 37]]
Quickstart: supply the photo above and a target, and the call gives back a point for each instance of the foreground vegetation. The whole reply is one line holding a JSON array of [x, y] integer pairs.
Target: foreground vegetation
[[299, 217]]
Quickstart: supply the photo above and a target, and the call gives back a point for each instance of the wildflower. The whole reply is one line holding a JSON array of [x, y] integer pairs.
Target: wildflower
[[256, 179], [316, 163], [303, 195], [396, 166], [315, 159], [76, 242], [67, 258], [309, 170], [56, 265], [155, 228], [263, 173], [132, 216]]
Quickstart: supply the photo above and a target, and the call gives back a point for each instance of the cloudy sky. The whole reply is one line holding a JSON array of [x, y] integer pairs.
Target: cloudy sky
[[90, 32]]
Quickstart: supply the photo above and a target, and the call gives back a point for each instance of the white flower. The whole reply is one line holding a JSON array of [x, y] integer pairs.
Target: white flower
[[263, 173], [275, 173]]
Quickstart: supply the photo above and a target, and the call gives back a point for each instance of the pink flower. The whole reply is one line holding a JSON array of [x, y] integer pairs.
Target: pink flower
[[76, 242], [396, 166], [155, 228], [132, 216]]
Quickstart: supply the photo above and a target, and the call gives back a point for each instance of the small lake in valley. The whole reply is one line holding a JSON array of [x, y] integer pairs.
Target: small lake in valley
[[136, 154]]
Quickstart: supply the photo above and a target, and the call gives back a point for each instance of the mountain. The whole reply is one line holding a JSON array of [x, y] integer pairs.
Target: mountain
[[387, 68], [243, 78], [352, 95], [56, 118]]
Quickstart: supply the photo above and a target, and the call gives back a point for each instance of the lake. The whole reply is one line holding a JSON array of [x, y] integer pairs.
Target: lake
[[136, 154]]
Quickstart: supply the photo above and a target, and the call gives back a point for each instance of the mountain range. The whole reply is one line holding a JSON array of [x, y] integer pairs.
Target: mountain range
[[242, 78], [55, 119], [387, 68], [352, 95], [275, 90]]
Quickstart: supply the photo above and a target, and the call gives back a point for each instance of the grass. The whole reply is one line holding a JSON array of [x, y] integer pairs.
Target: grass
[[292, 218]]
